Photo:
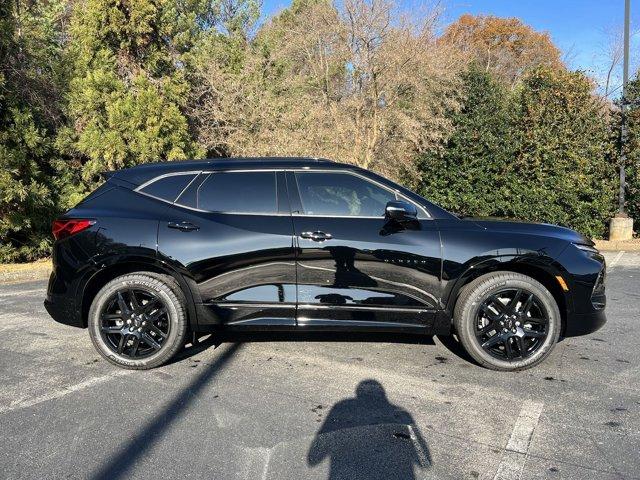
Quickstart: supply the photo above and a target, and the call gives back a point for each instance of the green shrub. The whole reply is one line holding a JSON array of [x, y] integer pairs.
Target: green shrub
[[540, 153]]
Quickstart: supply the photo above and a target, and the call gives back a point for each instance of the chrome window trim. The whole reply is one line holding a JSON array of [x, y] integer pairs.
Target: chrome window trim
[[165, 175], [320, 306], [279, 169]]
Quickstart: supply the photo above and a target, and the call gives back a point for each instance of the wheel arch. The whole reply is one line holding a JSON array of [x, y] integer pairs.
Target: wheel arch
[[541, 272], [116, 267]]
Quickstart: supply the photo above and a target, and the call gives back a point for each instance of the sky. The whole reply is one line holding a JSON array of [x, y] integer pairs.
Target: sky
[[580, 28]]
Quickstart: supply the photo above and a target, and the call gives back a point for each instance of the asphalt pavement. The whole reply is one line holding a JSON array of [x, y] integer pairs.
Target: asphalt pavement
[[266, 406]]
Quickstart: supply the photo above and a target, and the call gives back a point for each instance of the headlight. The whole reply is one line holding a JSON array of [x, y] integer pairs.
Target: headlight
[[586, 248]]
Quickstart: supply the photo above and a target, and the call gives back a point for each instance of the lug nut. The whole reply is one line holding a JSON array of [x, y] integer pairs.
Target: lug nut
[[144, 323], [140, 329], [129, 322], [517, 324]]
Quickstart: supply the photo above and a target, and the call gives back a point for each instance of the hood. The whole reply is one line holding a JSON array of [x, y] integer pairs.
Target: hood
[[528, 228]]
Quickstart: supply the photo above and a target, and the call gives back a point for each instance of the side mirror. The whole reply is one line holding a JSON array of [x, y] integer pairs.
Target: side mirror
[[401, 211]]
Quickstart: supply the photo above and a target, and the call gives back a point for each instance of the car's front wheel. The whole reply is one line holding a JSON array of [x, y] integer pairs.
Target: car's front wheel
[[138, 320], [507, 321]]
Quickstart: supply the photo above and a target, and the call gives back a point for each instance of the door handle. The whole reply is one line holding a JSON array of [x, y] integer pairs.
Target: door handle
[[316, 236], [183, 226]]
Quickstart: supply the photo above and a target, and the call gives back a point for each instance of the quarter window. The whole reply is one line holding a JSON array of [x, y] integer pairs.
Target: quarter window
[[239, 192], [341, 194], [168, 188]]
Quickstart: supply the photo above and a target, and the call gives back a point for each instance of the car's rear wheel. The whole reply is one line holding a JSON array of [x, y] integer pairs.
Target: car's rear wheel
[[138, 320], [507, 321]]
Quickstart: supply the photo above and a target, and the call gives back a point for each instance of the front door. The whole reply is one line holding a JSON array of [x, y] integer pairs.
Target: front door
[[355, 268]]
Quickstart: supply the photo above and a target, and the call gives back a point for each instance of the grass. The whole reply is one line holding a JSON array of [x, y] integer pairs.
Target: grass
[[21, 272], [41, 264]]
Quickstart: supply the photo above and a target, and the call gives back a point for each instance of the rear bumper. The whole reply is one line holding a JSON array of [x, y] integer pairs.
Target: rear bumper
[[62, 307], [585, 323]]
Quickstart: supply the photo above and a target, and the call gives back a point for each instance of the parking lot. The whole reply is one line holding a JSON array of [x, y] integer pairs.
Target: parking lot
[[319, 407]]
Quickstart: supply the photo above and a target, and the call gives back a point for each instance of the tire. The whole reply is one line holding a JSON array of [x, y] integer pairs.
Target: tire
[[512, 348], [155, 337]]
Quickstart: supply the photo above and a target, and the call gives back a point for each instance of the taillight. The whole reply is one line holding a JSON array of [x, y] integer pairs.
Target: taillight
[[67, 227]]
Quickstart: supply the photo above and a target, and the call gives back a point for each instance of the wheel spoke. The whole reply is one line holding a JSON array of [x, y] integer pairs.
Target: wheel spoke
[[157, 331], [124, 308], [508, 348], [157, 314], [134, 347], [150, 305], [111, 316], [511, 306], [486, 329], [533, 333], [519, 341], [497, 304], [488, 313], [493, 341], [537, 321], [134, 301], [122, 343], [112, 329], [150, 341], [526, 306]]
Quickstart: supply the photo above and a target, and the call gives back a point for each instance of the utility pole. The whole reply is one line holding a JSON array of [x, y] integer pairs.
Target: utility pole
[[621, 226], [625, 103]]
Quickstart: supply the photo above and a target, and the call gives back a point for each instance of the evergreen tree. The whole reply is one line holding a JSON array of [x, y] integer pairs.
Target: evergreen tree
[[128, 90], [632, 149], [467, 175], [29, 70], [562, 171], [542, 153]]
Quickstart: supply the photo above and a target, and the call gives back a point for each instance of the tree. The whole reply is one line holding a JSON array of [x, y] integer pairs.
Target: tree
[[504, 46], [562, 171], [632, 148], [128, 89], [467, 176], [354, 84], [30, 52]]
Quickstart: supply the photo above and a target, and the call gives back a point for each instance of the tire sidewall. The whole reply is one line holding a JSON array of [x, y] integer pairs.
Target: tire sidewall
[[175, 314], [480, 292]]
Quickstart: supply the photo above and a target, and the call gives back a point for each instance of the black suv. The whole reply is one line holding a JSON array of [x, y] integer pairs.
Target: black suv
[[163, 249]]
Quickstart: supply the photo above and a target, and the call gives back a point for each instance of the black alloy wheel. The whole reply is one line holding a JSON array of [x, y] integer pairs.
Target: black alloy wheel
[[134, 323], [507, 321], [138, 320], [511, 323]]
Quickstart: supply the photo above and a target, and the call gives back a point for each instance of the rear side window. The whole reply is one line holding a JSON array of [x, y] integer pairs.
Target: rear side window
[[168, 188], [239, 192]]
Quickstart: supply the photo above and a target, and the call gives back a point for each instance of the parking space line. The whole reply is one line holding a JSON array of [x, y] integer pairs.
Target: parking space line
[[62, 392], [515, 455], [423, 457], [616, 259]]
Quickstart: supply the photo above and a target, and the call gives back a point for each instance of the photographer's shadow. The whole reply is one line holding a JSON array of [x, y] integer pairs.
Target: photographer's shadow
[[368, 437]]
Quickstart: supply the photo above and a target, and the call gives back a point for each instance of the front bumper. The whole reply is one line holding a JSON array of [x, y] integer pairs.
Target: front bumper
[[585, 323]]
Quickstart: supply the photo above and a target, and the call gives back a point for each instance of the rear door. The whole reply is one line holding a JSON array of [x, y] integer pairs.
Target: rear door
[[231, 233], [355, 268]]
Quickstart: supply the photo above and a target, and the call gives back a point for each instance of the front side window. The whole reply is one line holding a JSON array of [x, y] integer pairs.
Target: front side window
[[341, 194], [239, 192]]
